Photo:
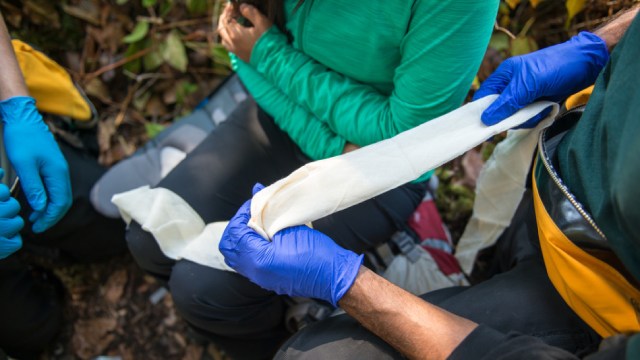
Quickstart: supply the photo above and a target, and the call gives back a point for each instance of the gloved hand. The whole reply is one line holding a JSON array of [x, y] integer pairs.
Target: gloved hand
[[553, 73], [36, 157], [10, 222], [299, 261]]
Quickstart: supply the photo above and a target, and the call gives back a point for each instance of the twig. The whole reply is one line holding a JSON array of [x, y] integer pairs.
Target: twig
[[183, 23], [117, 64], [500, 28], [125, 104]]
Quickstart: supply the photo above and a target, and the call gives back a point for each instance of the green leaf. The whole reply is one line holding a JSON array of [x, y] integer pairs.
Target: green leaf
[[135, 65], [153, 129], [197, 7], [499, 41], [523, 45], [152, 60], [220, 55], [165, 7], [121, 2], [174, 52], [149, 3], [138, 33], [184, 89]]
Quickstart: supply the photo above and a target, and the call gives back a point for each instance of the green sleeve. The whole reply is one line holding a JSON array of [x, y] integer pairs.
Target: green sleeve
[[440, 55], [314, 137]]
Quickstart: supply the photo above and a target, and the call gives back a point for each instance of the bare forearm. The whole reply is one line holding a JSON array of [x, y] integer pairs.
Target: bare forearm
[[411, 325], [613, 31], [11, 80]]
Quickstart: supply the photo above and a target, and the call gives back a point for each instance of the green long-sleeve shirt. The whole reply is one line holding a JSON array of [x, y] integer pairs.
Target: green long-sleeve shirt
[[365, 70]]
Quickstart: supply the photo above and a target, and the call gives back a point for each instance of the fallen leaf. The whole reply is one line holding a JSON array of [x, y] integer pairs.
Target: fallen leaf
[[174, 52], [472, 164], [193, 352], [114, 288], [92, 336]]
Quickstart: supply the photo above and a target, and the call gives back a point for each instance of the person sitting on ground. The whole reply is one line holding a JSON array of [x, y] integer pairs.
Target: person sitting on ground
[[55, 179], [338, 75], [571, 258]]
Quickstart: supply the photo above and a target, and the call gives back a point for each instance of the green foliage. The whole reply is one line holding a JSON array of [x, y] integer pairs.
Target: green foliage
[[138, 33], [174, 52], [153, 129], [162, 39]]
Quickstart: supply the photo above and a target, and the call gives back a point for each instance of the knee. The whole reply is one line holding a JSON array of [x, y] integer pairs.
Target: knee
[[221, 302], [146, 252]]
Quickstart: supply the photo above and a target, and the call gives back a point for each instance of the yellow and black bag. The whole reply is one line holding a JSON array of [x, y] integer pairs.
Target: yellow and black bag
[[579, 260]]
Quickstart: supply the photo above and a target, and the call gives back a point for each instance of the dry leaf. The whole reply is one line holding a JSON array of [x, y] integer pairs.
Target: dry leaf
[[194, 352], [92, 336], [472, 164], [114, 288]]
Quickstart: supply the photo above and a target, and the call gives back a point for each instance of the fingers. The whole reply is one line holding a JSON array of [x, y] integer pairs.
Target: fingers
[[5, 193], [501, 109], [497, 82], [58, 184], [9, 245], [32, 185], [256, 188], [10, 226], [254, 15]]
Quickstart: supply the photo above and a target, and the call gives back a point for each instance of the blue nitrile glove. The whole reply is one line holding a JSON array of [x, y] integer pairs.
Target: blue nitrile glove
[[36, 157], [299, 261], [10, 222], [553, 73]]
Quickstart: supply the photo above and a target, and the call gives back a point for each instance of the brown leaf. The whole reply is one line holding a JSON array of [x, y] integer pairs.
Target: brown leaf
[[42, 12], [194, 352], [96, 88], [87, 10], [11, 14], [92, 336], [114, 288], [472, 164]]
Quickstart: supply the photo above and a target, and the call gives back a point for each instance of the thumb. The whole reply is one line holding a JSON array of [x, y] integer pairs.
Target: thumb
[[254, 15], [504, 106]]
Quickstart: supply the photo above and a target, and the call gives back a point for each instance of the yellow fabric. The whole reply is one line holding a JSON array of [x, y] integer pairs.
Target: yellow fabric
[[579, 98], [50, 84], [600, 295]]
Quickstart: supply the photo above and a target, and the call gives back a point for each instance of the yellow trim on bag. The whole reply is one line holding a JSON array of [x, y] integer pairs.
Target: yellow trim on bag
[[600, 295], [50, 84], [579, 98]]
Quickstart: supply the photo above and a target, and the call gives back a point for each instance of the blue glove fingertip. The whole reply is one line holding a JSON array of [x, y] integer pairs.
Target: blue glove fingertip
[[256, 188]]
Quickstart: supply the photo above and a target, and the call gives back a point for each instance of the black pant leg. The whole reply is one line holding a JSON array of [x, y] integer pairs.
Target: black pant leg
[[239, 316], [82, 234], [30, 311]]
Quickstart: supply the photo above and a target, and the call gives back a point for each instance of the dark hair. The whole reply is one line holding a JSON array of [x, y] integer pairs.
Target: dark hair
[[272, 9]]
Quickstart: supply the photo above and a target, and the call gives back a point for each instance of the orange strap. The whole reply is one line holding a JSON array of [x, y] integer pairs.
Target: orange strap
[[600, 295]]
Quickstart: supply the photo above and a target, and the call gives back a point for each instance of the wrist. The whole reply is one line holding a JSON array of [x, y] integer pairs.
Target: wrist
[[349, 269], [594, 48], [271, 38], [18, 107]]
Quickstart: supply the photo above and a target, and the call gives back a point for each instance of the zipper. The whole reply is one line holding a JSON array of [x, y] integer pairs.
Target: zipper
[[563, 188]]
